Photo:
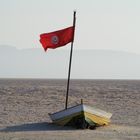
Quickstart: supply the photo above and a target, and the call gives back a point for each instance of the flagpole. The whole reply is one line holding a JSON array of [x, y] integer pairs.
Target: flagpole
[[71, 51]]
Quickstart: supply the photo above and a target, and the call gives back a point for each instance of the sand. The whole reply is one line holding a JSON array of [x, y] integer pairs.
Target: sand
[[25, 104]]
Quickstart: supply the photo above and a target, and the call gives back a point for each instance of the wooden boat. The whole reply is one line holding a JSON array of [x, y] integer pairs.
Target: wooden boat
[[81, 116]]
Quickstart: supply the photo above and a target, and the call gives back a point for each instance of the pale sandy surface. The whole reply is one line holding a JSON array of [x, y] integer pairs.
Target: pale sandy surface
[[25, 104]]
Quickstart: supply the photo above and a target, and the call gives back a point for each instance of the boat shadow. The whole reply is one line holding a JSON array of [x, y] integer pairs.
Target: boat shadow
[[43, 126]]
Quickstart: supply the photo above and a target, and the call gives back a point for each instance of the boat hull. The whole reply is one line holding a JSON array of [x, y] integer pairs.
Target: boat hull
[[81, 116]]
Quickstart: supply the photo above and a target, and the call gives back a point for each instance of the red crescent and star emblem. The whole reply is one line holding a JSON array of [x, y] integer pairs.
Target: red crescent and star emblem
[[55, 39]]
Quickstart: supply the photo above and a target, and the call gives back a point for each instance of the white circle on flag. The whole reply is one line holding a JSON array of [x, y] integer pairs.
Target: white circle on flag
[[54, 39]]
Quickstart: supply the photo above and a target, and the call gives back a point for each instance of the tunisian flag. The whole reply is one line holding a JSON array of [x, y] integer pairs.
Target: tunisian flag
[[57, 38]]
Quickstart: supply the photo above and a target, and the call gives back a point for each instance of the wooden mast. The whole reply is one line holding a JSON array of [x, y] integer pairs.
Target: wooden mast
[[71, 51]]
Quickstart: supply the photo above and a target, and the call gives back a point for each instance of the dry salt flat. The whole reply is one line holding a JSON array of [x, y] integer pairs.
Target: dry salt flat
[[25, 104]]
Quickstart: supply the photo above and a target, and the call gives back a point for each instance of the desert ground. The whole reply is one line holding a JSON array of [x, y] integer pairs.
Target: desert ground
[[25, 104]]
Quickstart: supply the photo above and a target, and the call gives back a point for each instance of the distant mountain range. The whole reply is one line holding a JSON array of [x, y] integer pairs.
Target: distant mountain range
[[86, 64]]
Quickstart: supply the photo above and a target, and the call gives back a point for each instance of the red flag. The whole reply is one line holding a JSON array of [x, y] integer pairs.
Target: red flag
[[57, 39]]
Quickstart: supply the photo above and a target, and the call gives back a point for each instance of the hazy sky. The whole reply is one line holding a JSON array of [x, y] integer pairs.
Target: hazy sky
[[101, 24]]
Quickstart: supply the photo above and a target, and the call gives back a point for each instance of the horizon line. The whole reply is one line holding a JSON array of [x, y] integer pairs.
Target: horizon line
[[108, 79]]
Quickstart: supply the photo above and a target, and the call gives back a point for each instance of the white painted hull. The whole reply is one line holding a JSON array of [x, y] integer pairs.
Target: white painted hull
[[89, 114]]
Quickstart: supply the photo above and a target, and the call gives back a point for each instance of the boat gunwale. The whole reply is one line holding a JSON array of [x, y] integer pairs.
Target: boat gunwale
[[65, 109], [82, 108]]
